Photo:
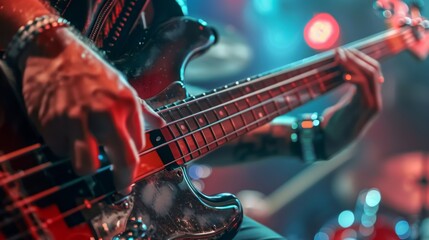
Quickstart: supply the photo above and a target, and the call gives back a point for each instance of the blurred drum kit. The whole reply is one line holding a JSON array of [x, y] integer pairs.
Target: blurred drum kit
[[397, 205], [397, 208]]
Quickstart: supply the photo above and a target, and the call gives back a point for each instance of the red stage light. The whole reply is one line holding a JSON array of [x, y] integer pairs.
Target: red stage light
[[322, 32]]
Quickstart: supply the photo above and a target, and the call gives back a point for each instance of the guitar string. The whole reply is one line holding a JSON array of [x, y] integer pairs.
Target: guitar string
[[381, 35], [261, 104], [218, 139], [33, 170], [60, 217], [38, 196], [316, 59], [196, 143], [71, 211], [93, 201], [281, 83]]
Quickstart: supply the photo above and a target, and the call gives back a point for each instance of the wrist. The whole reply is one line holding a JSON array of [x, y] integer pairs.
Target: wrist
[[35, 35], [49, 43], [17, 13], [365, 99]]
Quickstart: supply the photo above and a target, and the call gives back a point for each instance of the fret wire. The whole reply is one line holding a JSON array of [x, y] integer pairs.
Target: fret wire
[[218, 114], [169, 110], [229, 113], [270, 116], [362, 43], [188, 142], [204, 114], [186, 127], [183, 147], [97, 200], [47, 192], [252, 125], [194, 138], [288, 80], [195, 123], [175, 147], [200, 124]]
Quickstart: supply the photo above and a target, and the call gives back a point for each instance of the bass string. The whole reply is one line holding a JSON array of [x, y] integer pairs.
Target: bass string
[[73, 210], [363, 45], [232, 133], [216, 140], [36, 169], [367, 49], [31, 199], [54, 189]]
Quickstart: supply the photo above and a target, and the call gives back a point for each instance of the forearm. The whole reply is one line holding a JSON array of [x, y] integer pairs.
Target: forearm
[[16, 13], [345, 121], [341, 124]]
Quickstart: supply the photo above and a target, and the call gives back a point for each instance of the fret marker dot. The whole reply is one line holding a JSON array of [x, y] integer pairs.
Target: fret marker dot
[[158, 139], [201, 120], [247, 89], [221, 113], [347, 77], [183, 127], [260, 114]]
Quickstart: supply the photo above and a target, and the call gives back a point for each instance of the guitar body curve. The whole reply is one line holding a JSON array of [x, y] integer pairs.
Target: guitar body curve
[[167, 206]]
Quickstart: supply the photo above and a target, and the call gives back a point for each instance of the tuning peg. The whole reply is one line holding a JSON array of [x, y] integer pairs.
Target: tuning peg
[[385, 10], [425, 24], [406, 21]]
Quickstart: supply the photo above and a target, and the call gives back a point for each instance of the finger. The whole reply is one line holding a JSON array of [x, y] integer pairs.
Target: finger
[[371, 61], [365, 76], [349, 65], [340, 55], [110, 130], [151, 117], [135, 124], [377, 76], [358, 66], [83, 144], [371, 72]]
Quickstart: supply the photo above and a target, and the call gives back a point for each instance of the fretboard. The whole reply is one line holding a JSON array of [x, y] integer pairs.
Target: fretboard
[[200, 124]]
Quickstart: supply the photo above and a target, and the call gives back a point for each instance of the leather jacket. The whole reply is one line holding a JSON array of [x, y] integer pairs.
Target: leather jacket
[[110, 23]]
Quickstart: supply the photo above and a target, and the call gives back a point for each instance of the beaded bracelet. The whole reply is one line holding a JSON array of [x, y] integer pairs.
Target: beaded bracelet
[[27, 33]]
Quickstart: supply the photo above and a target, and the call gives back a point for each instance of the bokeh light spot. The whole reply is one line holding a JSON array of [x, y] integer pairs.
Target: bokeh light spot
[[346, 218], [373, 198], [322, 31]]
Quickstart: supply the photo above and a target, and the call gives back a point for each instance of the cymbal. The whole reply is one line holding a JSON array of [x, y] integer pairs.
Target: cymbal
[[401, 181], [230, 55]]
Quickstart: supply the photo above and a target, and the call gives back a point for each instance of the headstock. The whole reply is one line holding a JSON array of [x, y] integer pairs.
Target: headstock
[[398, 14]]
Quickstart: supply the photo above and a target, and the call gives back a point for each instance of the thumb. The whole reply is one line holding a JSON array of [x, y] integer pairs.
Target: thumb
[[153, 120]]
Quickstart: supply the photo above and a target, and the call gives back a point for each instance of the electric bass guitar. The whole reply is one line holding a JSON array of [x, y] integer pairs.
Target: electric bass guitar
[[42, 198]]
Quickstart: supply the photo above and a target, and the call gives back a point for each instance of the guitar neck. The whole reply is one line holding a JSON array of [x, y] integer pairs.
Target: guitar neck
[[200, 124]]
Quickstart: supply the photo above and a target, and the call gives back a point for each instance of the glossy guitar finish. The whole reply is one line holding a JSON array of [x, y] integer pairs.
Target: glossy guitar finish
[[152, 67], [164, 205], [167, 206]]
